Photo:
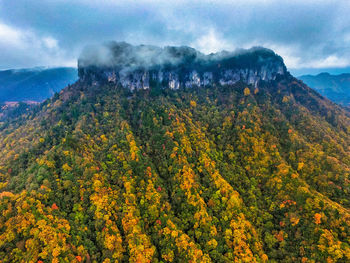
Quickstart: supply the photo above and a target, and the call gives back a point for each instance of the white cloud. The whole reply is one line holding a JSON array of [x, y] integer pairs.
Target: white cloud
[[211, 42], [294, 58], [50, 42], [331, 61], [25, 48], [9, 35]]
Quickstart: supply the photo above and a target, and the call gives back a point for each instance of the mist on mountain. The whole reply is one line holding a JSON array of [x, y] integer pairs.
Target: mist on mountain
[[122, 54]]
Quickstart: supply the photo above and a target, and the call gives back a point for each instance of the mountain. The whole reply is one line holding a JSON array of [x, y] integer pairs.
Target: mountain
[[138, 67], [36, 84], [334, 87], [169, 155]]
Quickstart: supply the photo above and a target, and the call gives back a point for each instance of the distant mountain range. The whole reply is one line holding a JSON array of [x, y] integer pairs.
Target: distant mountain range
[[36, 84], [334, 87]]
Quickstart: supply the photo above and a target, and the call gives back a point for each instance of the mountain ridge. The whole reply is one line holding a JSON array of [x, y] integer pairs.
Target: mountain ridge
[[236, 172], [137, 66], [34, 84], [334, 87]]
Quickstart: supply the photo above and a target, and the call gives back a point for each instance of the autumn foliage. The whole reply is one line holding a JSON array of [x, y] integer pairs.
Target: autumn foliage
[[217, 174]]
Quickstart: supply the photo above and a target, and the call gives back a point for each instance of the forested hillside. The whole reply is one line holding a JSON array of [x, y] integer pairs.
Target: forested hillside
[[231, 172]]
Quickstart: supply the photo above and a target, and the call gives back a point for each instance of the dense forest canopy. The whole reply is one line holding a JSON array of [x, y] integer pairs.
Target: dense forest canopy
[[214, 173]]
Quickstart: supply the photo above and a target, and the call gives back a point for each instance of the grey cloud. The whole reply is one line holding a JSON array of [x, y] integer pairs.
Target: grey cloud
[[305, 33], [124, 55], [124, 58]]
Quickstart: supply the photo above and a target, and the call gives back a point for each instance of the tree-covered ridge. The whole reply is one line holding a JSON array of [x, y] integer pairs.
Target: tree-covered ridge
[[218, 174]]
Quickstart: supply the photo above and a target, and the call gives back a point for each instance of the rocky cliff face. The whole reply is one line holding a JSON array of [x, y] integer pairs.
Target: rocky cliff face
[[140, 67]]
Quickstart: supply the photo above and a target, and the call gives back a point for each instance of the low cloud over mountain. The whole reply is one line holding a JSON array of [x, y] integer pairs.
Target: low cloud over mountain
[[306, 34]]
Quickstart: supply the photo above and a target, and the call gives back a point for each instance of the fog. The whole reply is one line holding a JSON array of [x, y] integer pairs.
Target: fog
[[128, 57]]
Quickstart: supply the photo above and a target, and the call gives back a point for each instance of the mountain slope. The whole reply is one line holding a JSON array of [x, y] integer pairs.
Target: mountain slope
[[9, 111], [225, 172], [34, 84], [334, 87]]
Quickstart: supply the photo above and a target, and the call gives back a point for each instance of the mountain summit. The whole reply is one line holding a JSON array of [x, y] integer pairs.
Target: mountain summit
[[169, 155], [135, 67]]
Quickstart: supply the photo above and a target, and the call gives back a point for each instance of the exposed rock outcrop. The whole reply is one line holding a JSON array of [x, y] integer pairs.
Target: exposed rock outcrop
[[140, 67]]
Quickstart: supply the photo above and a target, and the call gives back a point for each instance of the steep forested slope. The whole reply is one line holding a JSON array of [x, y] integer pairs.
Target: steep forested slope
[[221, 173]]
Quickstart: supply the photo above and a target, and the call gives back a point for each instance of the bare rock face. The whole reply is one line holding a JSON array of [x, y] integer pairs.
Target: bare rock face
[[141, 67]]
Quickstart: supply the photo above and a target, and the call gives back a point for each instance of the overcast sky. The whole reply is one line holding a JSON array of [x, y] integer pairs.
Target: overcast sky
[[311, 36]]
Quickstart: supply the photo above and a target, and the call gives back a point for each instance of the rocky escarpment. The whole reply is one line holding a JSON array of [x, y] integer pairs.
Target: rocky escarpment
[[140, 67]]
